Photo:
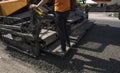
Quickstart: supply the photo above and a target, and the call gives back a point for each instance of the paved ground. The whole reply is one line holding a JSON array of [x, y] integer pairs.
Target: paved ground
[[97, 52], [102, 18]]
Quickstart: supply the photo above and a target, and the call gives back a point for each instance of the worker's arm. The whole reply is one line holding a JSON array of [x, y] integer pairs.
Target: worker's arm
[[41, 3]]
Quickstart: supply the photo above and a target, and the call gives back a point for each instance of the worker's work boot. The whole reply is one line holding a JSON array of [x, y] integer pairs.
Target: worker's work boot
[[64, 49], [68, 44]]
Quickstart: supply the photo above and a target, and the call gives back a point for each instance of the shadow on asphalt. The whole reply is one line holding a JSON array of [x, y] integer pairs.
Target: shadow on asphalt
[[100, 65], [101, 34], [100, 37]]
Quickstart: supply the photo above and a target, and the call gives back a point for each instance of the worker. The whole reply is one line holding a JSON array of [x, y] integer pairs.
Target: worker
[[61, 8], [87, 8]]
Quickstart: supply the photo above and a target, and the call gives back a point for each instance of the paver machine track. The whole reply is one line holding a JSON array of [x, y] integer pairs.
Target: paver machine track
[[31, 33]]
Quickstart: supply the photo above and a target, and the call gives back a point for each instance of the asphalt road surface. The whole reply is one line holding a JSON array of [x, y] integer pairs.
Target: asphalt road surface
[[97, 52]]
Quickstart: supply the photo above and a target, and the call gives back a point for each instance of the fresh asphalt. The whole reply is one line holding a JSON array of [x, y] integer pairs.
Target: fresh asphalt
[[97, 52]]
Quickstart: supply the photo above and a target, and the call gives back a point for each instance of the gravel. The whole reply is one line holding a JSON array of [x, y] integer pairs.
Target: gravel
[[97, 52]]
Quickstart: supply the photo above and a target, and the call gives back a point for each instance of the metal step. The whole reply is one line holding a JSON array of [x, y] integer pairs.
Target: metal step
[[80, 31], [48, 36], [73, 19], [56, 49]]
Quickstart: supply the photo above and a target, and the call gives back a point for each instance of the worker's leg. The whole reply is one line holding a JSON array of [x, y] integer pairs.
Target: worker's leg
[[65, 16], [61, 28]]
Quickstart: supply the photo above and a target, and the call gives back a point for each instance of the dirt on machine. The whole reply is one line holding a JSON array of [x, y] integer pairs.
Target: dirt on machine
[[33, 32]]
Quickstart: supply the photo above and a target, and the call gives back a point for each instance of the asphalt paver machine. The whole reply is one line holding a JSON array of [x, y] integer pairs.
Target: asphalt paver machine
[[29, 32]]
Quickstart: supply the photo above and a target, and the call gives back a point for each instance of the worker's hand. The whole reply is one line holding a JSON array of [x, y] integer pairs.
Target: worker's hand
[[33, 6]]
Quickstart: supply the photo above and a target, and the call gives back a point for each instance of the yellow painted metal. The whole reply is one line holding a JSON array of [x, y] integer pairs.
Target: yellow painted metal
[[39, 12], [8, 7]]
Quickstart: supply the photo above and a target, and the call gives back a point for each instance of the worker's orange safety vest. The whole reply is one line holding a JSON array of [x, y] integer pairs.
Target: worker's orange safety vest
[[62, 5]]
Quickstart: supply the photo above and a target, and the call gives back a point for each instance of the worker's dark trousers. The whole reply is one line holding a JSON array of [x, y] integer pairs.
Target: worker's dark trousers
[[61, 19]]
